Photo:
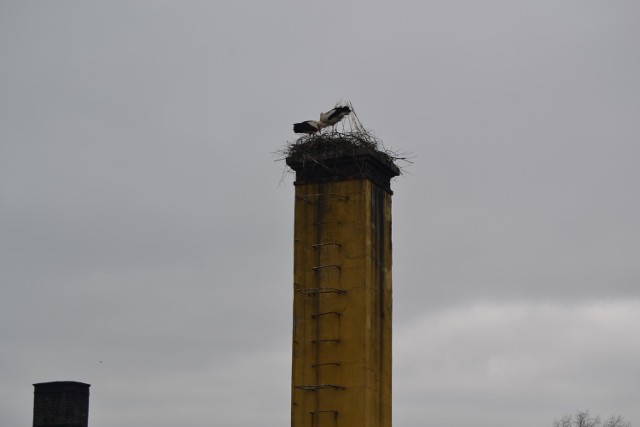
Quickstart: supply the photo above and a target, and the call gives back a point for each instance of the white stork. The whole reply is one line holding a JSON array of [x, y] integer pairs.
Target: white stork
[[309, 126], [333, 116]]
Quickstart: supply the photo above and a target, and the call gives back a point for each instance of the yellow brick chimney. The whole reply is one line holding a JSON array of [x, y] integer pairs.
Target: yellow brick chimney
[[342, 306]]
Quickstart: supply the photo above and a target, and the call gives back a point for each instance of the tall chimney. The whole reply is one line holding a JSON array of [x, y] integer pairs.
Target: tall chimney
[[341, 364], [61, 404]]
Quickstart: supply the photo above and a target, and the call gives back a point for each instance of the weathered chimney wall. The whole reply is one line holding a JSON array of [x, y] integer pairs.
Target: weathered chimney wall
[[342, 291], [61, 404]]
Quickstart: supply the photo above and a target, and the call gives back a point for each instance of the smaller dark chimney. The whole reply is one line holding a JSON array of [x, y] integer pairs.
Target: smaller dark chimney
[[61, 404]]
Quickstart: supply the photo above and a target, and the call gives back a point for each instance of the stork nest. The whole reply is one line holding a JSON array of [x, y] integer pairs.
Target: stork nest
[[333, 145], [354, 139]]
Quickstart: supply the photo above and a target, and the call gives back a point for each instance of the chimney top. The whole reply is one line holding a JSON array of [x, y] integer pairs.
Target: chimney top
[[60, 385], [358, 163]]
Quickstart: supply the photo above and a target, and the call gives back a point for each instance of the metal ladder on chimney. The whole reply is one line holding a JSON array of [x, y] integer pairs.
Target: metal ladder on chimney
[[327, 272]]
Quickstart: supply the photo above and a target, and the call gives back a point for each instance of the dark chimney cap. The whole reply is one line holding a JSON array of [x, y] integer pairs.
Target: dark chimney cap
[[360, 163], [61, 386]]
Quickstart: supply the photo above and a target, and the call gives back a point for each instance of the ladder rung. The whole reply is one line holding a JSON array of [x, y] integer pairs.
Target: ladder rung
[[315, 291], [315, 316], [318, 245], [319, 267], [315, 387]]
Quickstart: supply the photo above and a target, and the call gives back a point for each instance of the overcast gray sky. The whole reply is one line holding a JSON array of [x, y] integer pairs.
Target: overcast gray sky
[[146, 236]]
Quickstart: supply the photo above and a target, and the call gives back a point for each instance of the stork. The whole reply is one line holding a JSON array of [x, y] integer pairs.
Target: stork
[[309, 126], [333, 116]]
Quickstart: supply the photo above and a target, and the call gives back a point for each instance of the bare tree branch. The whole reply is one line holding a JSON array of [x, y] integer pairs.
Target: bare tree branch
[[616, 421], [585, 419]]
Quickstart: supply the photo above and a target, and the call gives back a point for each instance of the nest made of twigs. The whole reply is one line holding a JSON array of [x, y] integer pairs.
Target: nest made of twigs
[[332, 145], [352, 138]]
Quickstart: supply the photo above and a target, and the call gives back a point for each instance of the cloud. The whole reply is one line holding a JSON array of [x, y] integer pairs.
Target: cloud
[[498, 361]]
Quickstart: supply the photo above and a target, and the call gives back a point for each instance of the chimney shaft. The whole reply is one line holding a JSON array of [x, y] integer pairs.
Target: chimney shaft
[[341, 364], [61, 404]]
